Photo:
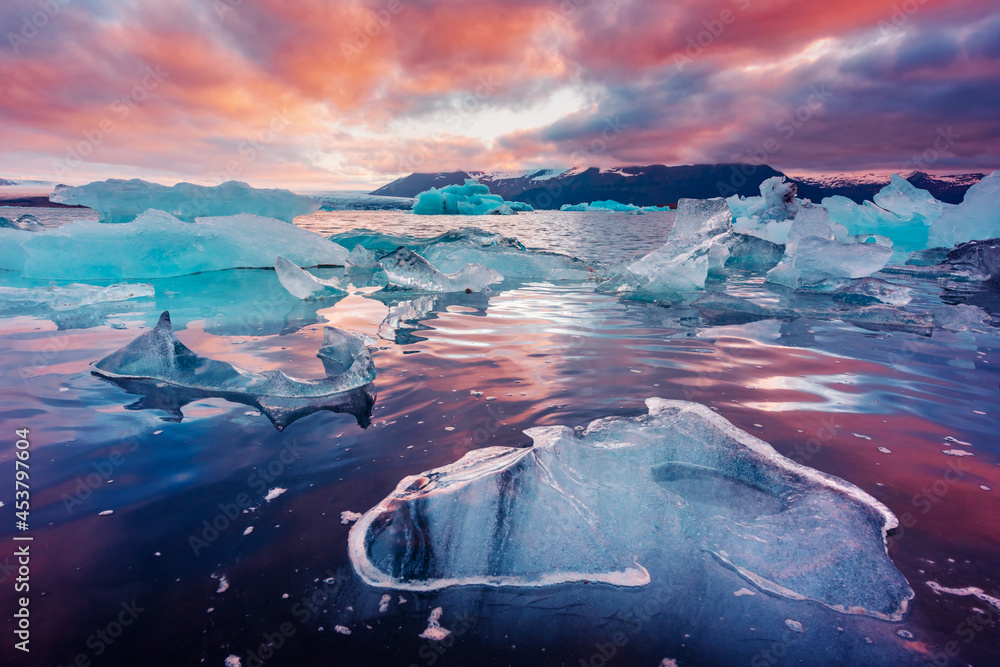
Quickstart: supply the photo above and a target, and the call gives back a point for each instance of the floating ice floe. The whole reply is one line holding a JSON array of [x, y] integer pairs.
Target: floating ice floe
[[170, 375], [960, 317], [814, 258], [682, 263], [158, 245], [304, 285], [980, 259], [870, 291], [408, 270], [122, 201], [472, 198], [68, 297], [976, 218], [24, 223], [629, 501], [450, 251], [503, 254]]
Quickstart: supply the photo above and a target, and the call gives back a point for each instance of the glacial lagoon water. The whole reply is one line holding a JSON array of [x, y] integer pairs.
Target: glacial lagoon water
[[214, 534]]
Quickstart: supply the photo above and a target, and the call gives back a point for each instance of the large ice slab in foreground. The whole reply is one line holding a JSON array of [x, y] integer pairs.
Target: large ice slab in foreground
[[121, 201], [472, 198], [408, 270], [629, 500], [158, 245], [157, 357]]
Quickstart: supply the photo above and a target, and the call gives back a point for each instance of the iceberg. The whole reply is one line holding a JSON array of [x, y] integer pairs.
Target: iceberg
[[814, 258], [472, 198], [910, 202], [123, 201], [158, 245], [682, 263], [408, 270], [304, 285], [69, 297], [630, 501], [975, 219], [158, 365], [901, 213]]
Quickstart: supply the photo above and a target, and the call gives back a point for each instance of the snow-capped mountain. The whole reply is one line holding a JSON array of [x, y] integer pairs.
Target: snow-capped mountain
[[862, 186], [658, 185]]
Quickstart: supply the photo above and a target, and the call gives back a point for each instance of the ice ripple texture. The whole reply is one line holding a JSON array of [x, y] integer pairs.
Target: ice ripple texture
[[629, 500]]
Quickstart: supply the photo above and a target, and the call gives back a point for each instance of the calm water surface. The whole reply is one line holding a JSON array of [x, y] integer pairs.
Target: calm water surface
[[474, 370]]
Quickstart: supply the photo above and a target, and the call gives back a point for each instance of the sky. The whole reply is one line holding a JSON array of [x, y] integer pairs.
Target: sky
[[352, 94]]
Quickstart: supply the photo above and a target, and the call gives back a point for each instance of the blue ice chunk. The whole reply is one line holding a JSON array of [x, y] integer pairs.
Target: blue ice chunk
[[472, 198], [158, 245]]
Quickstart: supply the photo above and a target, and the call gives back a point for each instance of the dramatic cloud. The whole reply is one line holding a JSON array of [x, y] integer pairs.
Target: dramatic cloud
[[352, 93]]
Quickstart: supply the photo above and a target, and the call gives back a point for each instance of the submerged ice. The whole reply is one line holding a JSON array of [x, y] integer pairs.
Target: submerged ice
[[630, 501], [174, 373], [122, 201]]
